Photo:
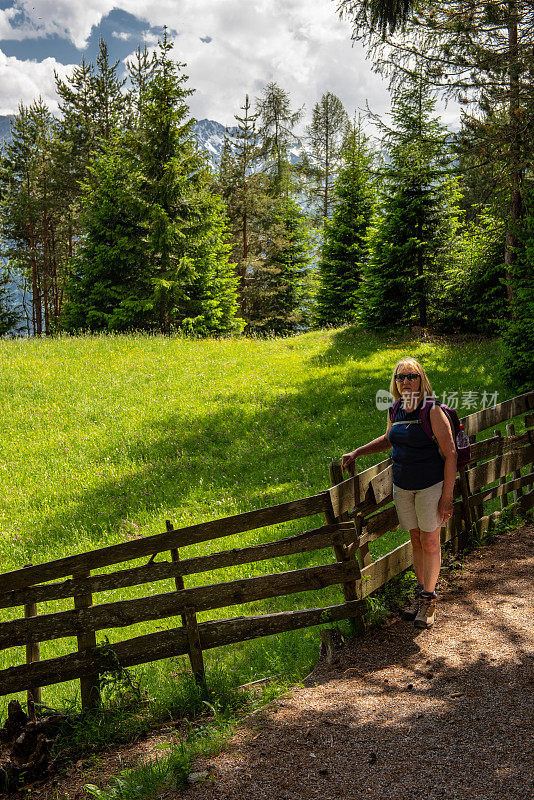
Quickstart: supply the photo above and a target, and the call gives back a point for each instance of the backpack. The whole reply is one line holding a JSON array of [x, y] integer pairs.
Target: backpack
[[463, 452]]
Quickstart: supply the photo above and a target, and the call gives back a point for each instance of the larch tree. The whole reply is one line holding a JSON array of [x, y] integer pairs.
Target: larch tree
[[31, 212], [243, 186], [276, 134], [325, 137]]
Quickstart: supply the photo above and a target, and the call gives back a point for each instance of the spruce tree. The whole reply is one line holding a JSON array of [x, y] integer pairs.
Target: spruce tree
[[399, 279], [345, 250], [154, 252], [181, 211], [479, 53], [274, 286], [109, 286]]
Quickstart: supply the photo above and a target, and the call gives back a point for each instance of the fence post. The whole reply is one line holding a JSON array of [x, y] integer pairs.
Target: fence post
[[175, 558], [502, 479], [464, 488], [189, 622], [33, 654], [517, 493], [342, 552], [89, 689], [195, 648]]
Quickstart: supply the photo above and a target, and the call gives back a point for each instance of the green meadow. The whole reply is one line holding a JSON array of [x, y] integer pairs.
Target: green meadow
[[105, 438]]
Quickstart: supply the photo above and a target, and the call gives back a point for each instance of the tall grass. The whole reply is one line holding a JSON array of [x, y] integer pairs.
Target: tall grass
[[104, 438]]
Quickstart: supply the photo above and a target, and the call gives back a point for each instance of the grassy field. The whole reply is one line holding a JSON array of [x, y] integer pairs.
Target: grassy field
[[105, 438]]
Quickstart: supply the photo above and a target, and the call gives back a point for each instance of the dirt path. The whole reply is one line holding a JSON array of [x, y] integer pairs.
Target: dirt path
[[445, 714]]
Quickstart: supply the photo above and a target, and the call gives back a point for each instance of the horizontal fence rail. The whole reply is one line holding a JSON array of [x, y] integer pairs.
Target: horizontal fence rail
[[356, 511]]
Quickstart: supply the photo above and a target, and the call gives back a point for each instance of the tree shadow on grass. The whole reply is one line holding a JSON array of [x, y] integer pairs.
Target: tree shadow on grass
[[243, 455], [246, 456]]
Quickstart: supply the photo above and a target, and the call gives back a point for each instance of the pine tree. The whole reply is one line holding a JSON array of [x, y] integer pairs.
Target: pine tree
[[409, 237], [325, 139], [345, 250]]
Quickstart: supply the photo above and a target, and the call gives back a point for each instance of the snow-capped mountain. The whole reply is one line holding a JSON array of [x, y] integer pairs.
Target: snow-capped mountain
[[209, 133], [210, 137]]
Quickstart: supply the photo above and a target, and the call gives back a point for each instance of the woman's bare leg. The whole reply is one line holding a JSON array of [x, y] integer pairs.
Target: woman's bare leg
[[431, 551], [415, 536]]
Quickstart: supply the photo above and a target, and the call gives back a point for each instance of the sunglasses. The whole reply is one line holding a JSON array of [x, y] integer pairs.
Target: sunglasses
[[410, 376]]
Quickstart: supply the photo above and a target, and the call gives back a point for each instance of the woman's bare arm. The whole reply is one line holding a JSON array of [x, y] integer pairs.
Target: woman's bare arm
[[376, 446], [441, 428]]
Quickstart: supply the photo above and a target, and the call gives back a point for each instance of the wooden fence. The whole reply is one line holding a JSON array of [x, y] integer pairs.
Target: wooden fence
[[355, 513]]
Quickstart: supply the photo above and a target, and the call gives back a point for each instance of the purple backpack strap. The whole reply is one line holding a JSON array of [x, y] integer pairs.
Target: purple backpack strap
[[393, 410], [424, 416]]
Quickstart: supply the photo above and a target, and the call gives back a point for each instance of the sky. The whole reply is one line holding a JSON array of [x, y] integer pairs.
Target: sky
[[230, 47]]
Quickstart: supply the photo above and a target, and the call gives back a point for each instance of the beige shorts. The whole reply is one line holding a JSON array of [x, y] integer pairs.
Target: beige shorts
[[418, 508]]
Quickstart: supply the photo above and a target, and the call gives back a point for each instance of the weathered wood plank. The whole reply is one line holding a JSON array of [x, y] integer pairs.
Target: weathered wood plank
[[526, 501], [365, 478], [498, 491], [382, 570], [529, 420], [138, 548], [343, 496], [497, 445], [303, 542], [86, 641], [488, 417], [378, 524], [139, 650], [490, 471], [382, 485], [128, 612], [33, 654], [164, 644], [510, 432]]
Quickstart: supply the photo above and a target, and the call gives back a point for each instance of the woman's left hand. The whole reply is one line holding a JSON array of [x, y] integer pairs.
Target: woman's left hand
[[445, 508]]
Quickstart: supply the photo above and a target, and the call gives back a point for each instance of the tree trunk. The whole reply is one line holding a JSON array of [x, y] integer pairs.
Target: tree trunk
[[516, 173]]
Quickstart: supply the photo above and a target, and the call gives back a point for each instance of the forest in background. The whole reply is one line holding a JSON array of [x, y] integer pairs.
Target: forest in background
[[113, 220]]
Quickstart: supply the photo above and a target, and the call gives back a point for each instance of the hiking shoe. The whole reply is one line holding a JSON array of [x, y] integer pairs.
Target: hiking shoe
[[410, 611], [427, 612]]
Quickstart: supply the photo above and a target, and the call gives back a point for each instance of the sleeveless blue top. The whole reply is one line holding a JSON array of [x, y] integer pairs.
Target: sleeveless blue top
[[417, 462]]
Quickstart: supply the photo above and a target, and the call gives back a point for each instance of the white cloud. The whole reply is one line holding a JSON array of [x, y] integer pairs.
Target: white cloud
[[25, 81], [71, 19], [300, 44]]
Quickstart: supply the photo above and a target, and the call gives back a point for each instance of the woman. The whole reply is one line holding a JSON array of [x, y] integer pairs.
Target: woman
[[423, 479]]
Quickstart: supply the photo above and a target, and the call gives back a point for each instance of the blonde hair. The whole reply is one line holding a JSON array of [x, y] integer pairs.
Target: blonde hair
[[425, 387]]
